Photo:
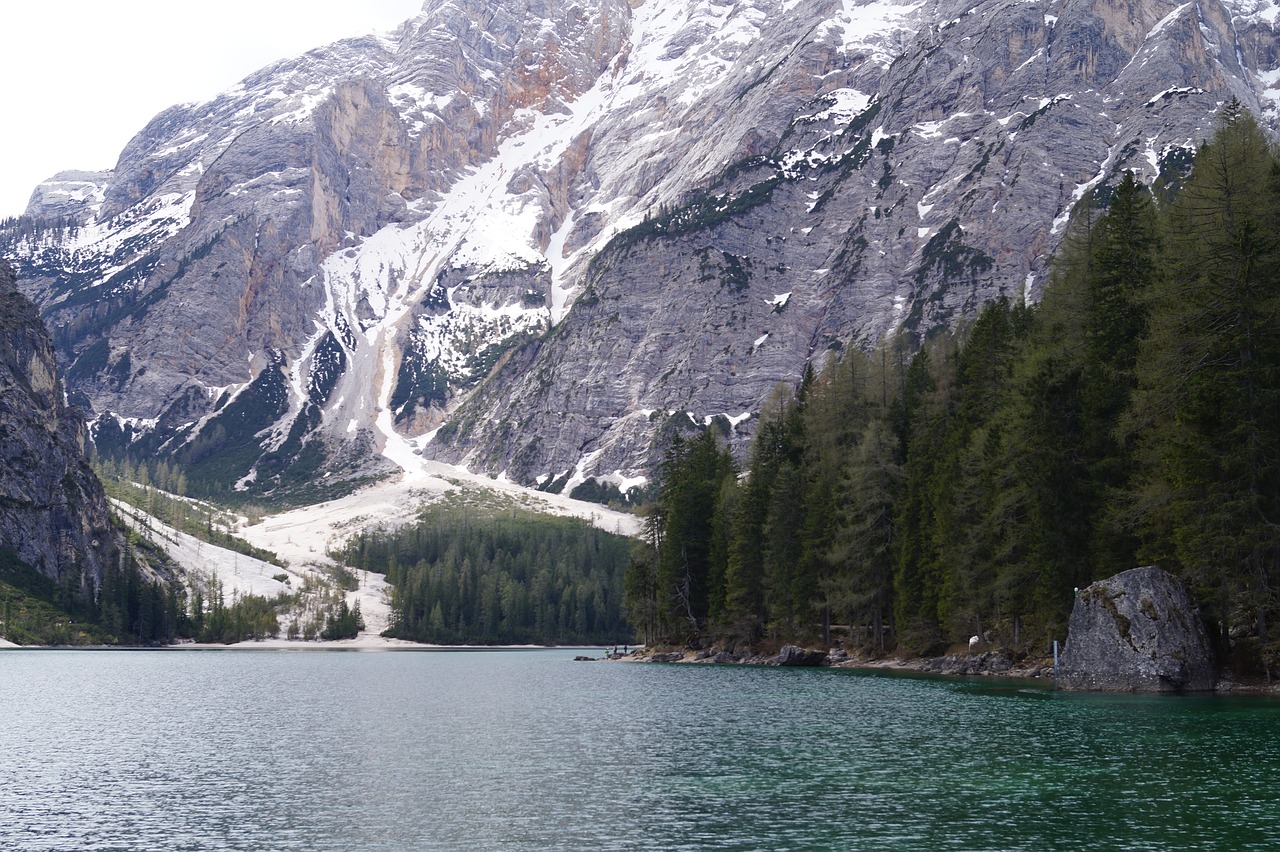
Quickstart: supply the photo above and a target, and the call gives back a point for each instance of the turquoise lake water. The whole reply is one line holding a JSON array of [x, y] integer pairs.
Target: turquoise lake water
[[523, 750]]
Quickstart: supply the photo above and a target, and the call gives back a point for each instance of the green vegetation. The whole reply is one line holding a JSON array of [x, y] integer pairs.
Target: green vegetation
[[490, 574], [129, 607], [211, 464], [126, 608], [318, 610], [1129, 418], [421, 381], [593, 490], [29, 616], [343, 622], [227, 447], [247, 617]]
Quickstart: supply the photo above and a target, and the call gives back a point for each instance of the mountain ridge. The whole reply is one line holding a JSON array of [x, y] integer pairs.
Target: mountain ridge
[[535, 239]]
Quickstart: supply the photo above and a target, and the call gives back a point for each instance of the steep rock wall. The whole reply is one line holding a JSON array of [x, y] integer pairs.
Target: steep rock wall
[[53, 513]]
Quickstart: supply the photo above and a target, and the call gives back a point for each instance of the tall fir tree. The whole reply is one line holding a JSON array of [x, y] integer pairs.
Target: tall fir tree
[[693, 476], [1208, 394]]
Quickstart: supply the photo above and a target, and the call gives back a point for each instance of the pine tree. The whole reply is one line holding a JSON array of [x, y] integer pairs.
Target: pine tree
[[860, 590], [775, 445], [693, 476], [1209, 380], [783, 552], [921, 416]]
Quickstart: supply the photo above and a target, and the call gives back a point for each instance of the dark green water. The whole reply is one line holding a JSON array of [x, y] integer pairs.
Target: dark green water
[[528, 750]]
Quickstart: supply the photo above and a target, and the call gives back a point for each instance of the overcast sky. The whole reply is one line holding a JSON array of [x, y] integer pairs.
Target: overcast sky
[[81, 77]]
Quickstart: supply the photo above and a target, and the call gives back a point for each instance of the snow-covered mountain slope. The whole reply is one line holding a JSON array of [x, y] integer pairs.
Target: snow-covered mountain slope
[[530, 236], [304, 537]]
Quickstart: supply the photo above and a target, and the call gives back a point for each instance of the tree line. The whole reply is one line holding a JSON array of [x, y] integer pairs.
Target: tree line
[[127, 605], [476, 574], [158, 488], [1131, 417]]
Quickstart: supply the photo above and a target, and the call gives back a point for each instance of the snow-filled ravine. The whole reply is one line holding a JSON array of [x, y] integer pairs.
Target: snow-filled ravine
[[301, 538]]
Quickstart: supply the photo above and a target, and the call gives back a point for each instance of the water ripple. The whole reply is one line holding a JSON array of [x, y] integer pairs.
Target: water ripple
[[529, 750]]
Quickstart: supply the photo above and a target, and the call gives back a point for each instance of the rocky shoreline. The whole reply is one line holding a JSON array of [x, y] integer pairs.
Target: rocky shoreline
[[992, 663], [996, 662]]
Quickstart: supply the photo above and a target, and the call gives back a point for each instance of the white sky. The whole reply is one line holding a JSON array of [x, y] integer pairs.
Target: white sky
[[81, 77]]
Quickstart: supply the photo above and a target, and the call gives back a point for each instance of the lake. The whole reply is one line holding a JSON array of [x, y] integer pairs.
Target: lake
[[523, 750]]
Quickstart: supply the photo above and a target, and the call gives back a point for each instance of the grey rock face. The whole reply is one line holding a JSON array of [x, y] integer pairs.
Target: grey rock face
[[558, 230], [948, 188], [53, 513], [74, 195], [1137, 632]]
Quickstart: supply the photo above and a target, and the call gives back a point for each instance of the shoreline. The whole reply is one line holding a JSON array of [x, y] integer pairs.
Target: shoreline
[[364, 642], [995, 664]]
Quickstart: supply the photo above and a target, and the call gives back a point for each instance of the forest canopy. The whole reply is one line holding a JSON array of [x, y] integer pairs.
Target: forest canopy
[[480, 573]]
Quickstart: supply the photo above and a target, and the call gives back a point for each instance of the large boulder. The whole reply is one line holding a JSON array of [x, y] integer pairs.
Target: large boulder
[[1137, 632]]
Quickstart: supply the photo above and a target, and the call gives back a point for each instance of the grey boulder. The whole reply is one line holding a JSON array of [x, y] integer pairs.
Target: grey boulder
[[1138, 631]]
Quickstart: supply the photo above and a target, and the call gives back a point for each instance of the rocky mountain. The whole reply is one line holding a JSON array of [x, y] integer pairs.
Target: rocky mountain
[[531, 237], [53, 514]]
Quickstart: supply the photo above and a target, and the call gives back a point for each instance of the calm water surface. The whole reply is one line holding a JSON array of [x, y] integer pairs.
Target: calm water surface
[[520, 750]]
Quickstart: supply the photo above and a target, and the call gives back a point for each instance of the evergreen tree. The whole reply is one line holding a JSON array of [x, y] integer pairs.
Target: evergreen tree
[[775, 445], [922, 418], [640, 583], [860, 590], [1209, 380], [783, 552], [693, 476]]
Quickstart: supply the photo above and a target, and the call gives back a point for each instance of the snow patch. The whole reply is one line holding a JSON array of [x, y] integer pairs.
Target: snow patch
[[880, 29], [1176, 90], [846, 105], [1168, 19], [1269, 91]]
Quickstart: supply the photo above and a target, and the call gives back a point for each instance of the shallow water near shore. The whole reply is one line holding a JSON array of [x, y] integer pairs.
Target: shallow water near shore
[[523, 750]]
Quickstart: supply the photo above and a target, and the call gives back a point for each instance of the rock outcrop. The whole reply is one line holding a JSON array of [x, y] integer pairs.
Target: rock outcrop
[[794, 655], [53, 513], [1138, 631], [987, 663]]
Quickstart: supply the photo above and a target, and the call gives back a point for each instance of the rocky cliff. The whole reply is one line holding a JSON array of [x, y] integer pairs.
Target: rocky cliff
[[531, 236], [53, 514]]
